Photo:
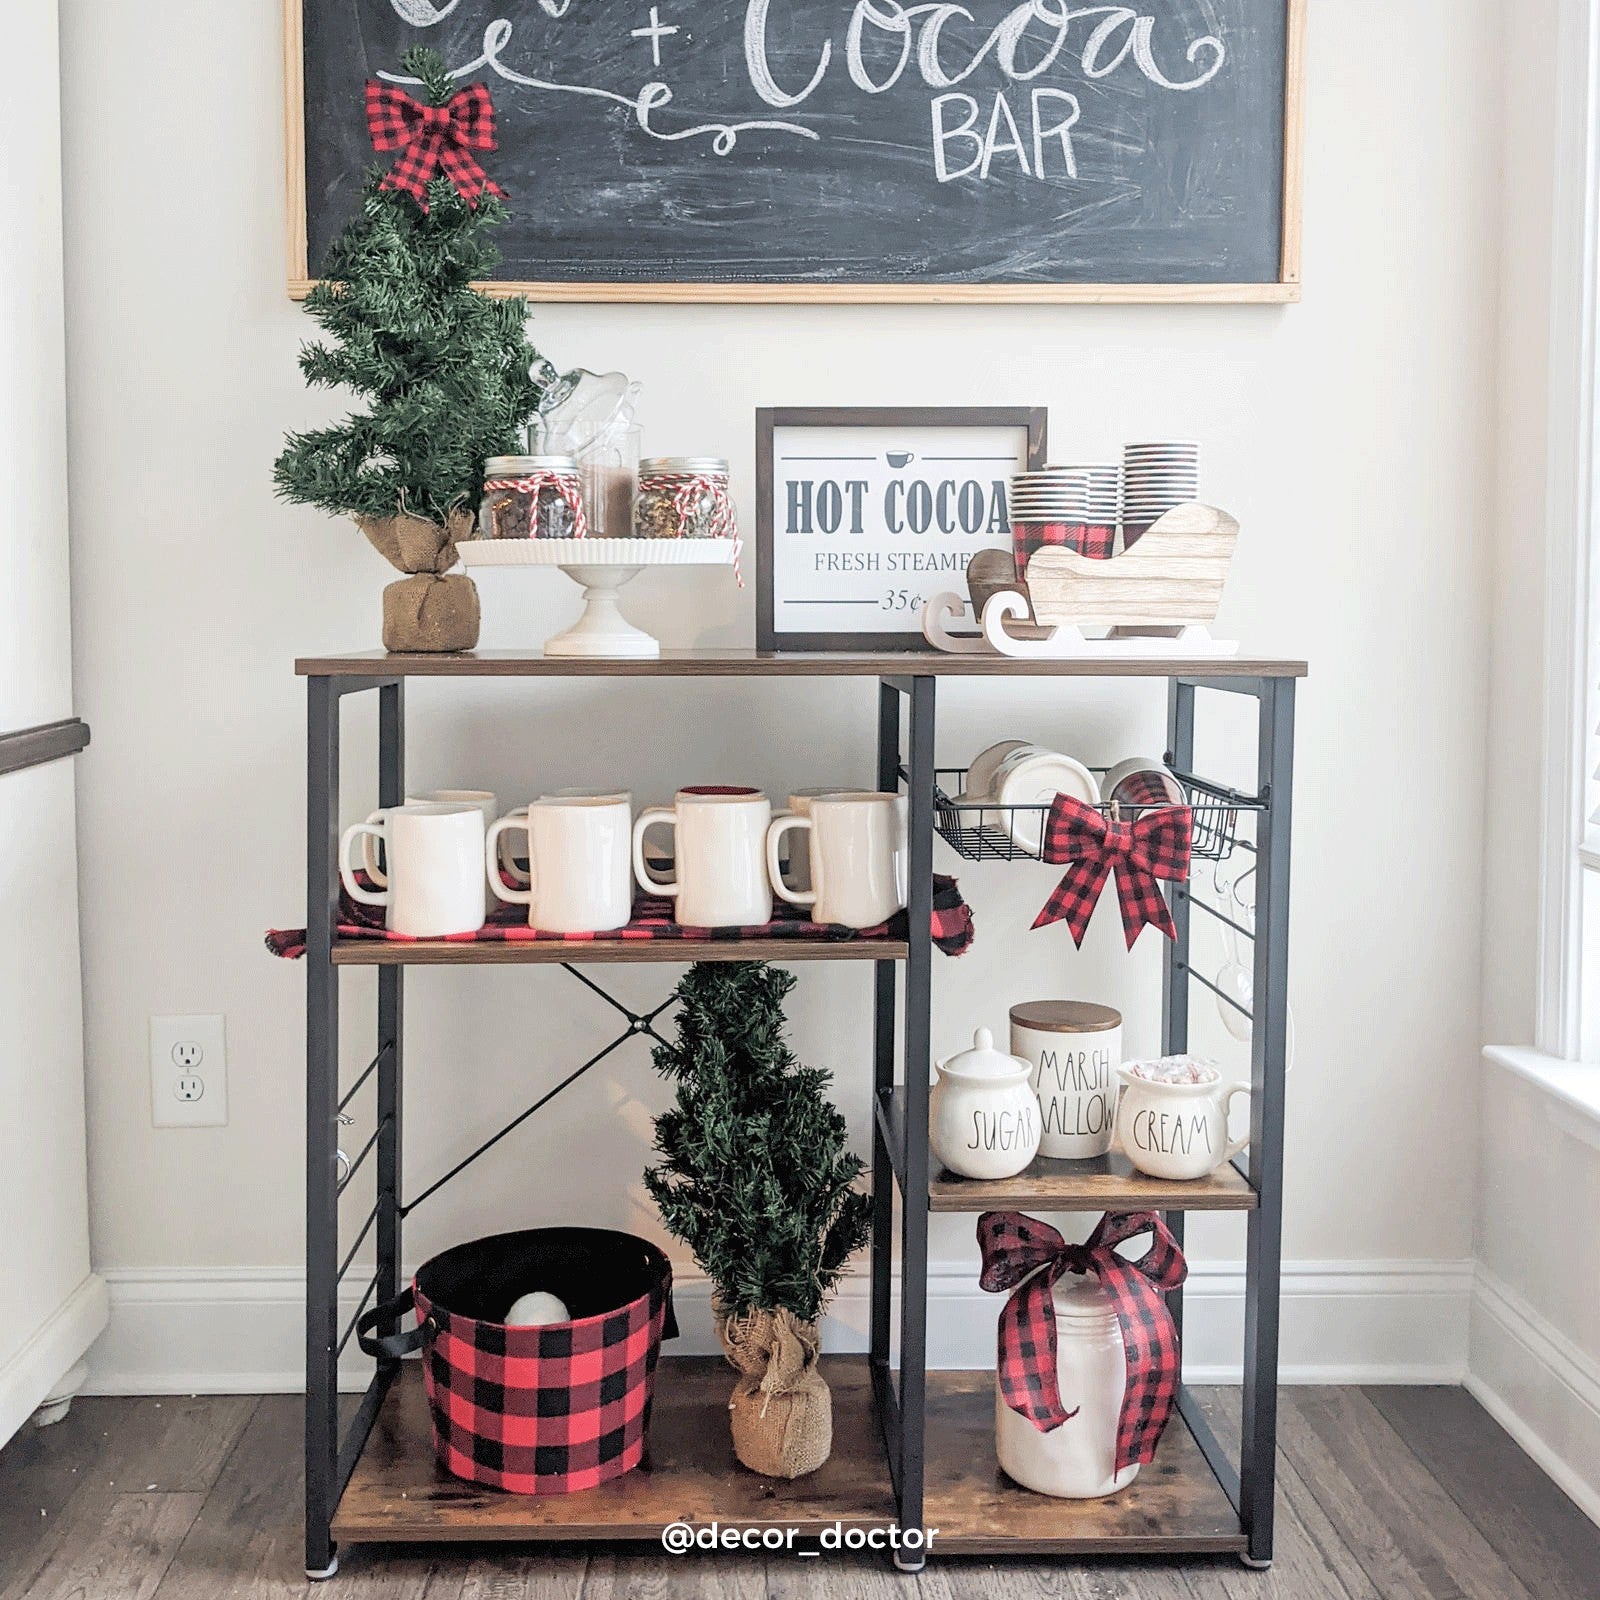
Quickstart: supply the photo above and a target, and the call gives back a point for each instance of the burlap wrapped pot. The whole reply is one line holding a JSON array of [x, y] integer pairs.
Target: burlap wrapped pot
[[426, 612], [782, 1410]]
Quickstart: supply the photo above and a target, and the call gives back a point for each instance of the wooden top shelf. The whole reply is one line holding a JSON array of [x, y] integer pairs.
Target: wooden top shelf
[[753, 663], [597, 952]]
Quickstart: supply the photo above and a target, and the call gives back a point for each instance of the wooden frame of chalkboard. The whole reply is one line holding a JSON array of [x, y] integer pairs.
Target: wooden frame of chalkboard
[[1285, 289], [1030, 423]]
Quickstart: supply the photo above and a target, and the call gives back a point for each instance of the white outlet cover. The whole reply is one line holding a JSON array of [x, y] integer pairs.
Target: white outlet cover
[[185, 1052]]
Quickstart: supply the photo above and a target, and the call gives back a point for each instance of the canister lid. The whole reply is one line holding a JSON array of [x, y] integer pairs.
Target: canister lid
[[683, 467], [1066, 1016], [521, 466], [983, 1060]]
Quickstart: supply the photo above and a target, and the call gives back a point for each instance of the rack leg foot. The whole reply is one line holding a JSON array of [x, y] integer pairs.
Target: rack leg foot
[[909, 1561], [1253, 1564], [327, 1572]]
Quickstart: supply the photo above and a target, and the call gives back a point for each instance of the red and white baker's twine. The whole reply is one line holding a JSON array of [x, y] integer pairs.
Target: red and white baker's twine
[[687, 493], [563, 485]]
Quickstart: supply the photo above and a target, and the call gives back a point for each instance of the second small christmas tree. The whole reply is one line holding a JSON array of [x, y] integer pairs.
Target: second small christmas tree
[[756, 1178]]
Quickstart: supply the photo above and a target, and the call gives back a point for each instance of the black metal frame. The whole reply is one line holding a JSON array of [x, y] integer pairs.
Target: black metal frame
[[37, 747], [906, 736]]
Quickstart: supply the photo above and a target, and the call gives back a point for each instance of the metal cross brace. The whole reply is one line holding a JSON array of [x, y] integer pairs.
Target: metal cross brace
[[639, 1023]]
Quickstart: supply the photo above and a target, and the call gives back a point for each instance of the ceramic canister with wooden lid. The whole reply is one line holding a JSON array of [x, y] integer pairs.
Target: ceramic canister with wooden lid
[[1075, 1048]]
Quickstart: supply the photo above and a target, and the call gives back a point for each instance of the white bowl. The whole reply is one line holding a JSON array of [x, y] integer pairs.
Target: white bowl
[[1034, 778]]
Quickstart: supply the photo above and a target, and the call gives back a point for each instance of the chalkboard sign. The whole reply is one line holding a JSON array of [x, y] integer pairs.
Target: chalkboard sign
[[848, 150]]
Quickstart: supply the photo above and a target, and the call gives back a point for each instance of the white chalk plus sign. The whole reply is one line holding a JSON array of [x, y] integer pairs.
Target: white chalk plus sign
[[655, 33]]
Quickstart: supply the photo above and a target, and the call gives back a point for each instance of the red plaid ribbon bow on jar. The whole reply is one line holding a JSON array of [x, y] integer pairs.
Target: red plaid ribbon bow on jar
[[1027, 1256], [1155, 846], [433, 137]]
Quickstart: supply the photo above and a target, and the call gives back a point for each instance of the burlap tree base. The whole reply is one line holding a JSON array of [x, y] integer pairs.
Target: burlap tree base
[[426, 613], [782, 1410]]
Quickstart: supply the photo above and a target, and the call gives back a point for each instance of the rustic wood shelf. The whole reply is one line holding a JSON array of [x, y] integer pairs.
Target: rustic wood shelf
[[1108, 1184], [787, 664], [399, 1494], [1175, 1506], [596, 952]]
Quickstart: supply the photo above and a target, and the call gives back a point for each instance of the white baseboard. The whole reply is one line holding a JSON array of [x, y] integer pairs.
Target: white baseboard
[[241, 1330], [1539, 1386], [33, 1372]]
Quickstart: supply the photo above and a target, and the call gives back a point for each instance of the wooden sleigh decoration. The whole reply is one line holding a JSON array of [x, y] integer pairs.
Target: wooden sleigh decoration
[[1157, 598]]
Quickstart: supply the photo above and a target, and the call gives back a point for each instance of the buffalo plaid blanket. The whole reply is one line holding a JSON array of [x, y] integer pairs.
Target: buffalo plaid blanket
[[652, 919]]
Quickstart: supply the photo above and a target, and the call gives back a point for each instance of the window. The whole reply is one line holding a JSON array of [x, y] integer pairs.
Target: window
[[1569, 947]]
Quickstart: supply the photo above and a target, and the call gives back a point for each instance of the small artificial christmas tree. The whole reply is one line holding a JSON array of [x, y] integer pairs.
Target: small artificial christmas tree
[[443, 367], [755, 1178]]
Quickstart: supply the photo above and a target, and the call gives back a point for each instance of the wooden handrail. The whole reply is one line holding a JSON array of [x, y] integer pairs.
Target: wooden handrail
[[33, 747]]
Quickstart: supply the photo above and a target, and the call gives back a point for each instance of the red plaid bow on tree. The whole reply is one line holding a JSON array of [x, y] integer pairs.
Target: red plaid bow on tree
[[432, 137], [1155, 846], [1028, 1256]]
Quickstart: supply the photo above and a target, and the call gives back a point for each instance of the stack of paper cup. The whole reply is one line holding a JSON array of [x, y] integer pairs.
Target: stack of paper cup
[[1156, 477]]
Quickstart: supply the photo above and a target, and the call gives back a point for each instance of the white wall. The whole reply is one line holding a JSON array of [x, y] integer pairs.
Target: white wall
[[54, 1307], [1535, 1327], [1352, 435]]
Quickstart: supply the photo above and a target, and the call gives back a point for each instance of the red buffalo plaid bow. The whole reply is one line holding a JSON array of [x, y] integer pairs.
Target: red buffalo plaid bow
[[1156, 846], [1027, 1255], [432, 137]]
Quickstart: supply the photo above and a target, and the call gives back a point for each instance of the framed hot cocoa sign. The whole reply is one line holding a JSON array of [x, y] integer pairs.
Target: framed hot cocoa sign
[[864, 513]]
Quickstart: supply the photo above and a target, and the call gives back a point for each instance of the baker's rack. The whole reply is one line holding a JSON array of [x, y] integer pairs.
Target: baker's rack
[[912, 1448]]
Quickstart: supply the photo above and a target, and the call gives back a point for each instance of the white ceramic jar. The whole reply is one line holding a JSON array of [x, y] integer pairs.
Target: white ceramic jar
[[1075, 1049], [983, 1118], [1078, 1460]]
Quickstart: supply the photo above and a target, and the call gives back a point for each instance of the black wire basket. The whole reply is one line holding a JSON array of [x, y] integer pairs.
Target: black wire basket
[[980, 830]]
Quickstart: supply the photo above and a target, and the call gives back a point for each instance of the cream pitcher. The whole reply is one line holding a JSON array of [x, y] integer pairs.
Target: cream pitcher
[[1172, 1119]]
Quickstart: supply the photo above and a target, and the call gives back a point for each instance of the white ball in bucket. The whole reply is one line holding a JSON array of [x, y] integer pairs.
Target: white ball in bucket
[[538, 1310]]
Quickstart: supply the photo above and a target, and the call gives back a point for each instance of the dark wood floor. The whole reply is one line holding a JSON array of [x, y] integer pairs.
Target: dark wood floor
[[1385, 1494]]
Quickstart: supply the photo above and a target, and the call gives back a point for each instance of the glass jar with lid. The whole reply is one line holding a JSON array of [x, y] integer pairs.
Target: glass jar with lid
[[684, 497], [532, 497]]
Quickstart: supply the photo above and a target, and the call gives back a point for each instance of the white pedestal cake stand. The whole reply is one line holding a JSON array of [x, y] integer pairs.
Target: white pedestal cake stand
[[601, 566]]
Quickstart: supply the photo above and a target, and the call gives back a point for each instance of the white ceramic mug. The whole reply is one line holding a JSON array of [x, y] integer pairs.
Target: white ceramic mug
[[435, 854], [1176, 1130], [856, 847], [578, 868], [510, 866], [481, 799], [719, 860], [798, 875]]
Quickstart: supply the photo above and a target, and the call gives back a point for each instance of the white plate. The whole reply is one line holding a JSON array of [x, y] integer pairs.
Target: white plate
[[598, 552], [980, 774], [1035, 780]]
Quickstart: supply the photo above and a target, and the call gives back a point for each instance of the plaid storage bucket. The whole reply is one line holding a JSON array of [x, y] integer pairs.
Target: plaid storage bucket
[[536, 1410]]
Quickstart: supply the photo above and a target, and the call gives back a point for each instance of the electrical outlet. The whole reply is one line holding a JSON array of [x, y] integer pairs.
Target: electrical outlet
[[188, 1072]]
